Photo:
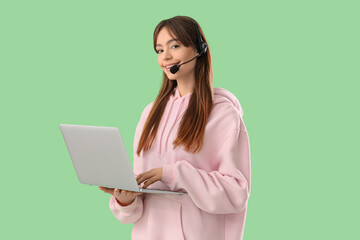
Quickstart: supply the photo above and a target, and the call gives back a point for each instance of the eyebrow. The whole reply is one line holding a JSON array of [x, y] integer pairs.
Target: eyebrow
[[171, 40]]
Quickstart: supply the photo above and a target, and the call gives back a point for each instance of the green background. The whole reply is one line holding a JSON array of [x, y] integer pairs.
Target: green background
[[294, 66]]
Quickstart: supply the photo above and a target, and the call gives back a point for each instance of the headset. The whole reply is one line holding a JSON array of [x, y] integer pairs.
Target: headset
[[201, 47]]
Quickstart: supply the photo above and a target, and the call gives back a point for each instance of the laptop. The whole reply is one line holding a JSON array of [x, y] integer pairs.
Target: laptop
[[100, 158]]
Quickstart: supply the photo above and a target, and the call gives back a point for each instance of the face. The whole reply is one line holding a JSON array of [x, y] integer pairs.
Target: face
[[170, 52]]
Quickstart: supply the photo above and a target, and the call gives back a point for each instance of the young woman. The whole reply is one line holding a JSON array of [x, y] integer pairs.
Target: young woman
[[191, 139]]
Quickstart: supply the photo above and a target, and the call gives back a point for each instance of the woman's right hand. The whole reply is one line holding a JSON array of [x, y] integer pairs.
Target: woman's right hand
[[123, 196]]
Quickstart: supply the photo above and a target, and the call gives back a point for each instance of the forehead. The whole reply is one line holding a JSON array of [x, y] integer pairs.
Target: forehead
[[164, 35]]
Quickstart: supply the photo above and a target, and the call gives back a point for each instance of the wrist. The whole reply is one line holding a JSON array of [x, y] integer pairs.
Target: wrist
[[124, 204]]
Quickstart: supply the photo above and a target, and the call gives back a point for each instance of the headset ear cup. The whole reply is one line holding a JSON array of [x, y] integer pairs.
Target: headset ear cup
[[201, 46], [204, 47]]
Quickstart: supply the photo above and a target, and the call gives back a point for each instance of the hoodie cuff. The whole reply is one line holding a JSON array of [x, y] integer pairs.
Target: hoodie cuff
[[168, 175], [129, 208]]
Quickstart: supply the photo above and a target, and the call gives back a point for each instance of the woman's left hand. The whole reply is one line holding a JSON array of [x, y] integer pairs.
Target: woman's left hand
[[150, 177]]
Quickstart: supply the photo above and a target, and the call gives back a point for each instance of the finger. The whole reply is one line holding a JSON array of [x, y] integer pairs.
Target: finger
[[143, 178], [124, 193], [150, 181], [120, 192], [145, 175], [116, 192], [141, 175], [138, 176]]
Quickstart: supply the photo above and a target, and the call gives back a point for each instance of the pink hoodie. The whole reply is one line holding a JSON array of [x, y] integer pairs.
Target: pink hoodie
[[216, 179]]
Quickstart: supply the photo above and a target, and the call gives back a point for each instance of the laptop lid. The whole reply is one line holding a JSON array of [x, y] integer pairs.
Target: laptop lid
[[100, 158]]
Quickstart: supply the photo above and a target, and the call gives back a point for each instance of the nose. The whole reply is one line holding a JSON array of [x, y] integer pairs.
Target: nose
[[167, 55]]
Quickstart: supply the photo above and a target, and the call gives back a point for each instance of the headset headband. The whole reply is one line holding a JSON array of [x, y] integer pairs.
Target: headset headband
[[201, 46]]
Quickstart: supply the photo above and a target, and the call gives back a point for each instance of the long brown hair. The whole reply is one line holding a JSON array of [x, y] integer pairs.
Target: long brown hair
[[192, 126]]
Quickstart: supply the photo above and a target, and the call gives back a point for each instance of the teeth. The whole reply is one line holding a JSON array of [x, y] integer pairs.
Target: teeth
[[171, 66]]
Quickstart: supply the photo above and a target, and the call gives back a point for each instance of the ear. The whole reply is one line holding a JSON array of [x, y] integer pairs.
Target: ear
[[195, 50]]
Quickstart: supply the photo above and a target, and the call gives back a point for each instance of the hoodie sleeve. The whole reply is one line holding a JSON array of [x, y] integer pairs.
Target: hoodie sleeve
[[134, 211], [223, 191], [127, 214]]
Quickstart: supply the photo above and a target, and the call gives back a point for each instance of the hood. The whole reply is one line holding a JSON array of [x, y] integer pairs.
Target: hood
[[220, 95], [223, 95]]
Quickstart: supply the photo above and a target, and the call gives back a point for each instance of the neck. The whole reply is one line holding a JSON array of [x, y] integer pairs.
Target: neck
[[185, 86]]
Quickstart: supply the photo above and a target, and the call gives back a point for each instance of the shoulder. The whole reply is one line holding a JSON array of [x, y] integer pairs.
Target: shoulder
[[226, 110], [144, 115], [223, 96], [146, 111]]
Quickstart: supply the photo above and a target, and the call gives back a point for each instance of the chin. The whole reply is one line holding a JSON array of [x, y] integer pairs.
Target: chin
[[171, 76]]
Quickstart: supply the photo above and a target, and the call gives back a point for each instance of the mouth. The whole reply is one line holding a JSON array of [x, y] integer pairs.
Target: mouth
[[167, 67]]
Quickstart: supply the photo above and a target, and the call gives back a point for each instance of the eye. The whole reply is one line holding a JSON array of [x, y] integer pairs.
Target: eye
[[176, 46]]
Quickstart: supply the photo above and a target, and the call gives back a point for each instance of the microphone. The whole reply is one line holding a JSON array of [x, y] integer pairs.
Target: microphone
[[175, 68]]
